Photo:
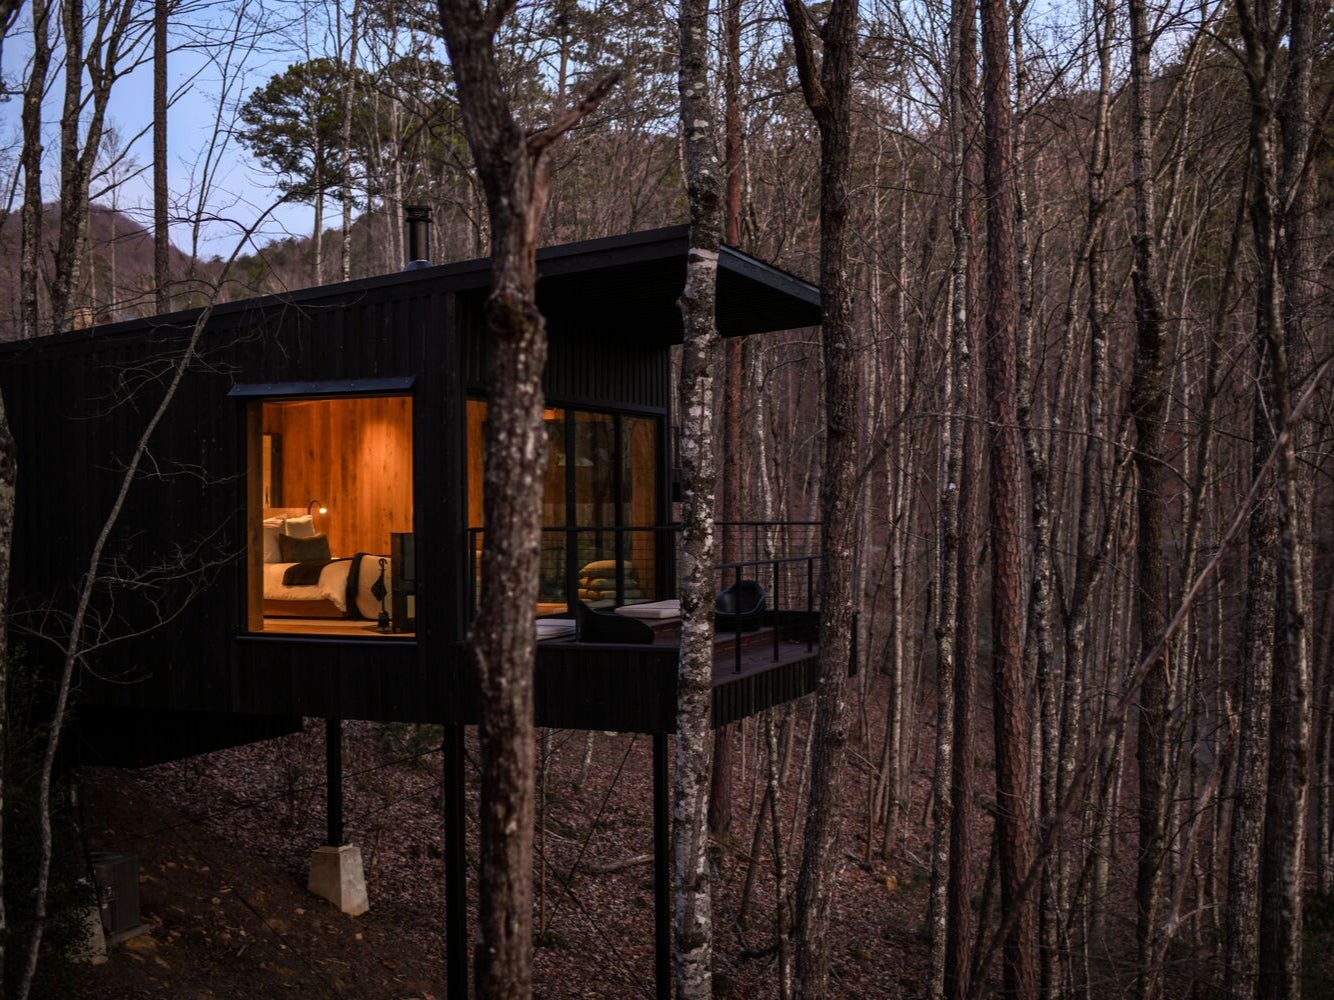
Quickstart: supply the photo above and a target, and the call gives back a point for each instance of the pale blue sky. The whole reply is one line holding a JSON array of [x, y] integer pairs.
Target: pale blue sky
[[239, 189]]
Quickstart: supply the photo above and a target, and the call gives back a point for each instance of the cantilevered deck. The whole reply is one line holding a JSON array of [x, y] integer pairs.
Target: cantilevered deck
[[632, 688]]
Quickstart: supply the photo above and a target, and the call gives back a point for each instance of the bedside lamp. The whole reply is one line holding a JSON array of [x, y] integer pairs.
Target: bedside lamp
[[315, 505]]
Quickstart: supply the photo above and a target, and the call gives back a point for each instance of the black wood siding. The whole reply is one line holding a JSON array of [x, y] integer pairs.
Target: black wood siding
[[589, 367], [78, 404]]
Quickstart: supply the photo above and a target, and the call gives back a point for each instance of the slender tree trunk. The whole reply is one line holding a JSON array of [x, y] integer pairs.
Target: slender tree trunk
[[65, 272], [827, 86], [30, 253], [692, 918], [1244, 948], [1148, 402], [318, 183], [101, 60], [1091, 538], [1289, 766], [1015, 849], [720, 794], [783, 908], [349, 91], [967, 355], [952, 429], [1041, 653], [161, 235]]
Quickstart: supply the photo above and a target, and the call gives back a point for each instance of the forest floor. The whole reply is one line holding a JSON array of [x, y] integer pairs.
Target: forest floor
[[224, 843]]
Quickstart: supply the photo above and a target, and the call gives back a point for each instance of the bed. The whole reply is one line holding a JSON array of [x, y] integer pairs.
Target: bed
[[310, 583]]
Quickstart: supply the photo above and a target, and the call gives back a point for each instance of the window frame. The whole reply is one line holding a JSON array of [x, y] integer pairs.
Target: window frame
[[253, 397]]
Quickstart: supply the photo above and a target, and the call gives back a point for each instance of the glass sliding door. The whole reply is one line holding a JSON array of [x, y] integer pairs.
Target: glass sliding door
[[599, 506], [639, 502]]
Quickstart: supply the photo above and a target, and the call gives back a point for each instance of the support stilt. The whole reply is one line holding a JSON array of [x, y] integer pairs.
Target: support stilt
[[333, 770], [456, 865], [662, 875], [336, 873]]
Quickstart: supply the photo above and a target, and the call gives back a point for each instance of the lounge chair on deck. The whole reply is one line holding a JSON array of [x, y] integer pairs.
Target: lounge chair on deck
[[740, 608]]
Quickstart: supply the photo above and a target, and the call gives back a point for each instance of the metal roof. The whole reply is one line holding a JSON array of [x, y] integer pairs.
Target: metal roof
[[627, 283]]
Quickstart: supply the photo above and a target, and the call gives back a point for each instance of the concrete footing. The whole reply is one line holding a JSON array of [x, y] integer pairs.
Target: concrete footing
[[336, 875], [93, 948]]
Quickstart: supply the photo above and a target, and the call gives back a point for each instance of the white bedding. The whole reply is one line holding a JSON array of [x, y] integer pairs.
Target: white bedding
[[332, 585]]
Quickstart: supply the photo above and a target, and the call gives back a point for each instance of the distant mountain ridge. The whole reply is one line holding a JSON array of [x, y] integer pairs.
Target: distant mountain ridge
[[117, 280]]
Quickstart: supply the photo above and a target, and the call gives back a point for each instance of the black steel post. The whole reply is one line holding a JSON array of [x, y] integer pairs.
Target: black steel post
[[333, 771], [456, 865], [662, 875]]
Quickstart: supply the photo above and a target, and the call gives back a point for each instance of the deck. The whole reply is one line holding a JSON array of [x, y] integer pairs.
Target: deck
[[632, 688], [578, 685]]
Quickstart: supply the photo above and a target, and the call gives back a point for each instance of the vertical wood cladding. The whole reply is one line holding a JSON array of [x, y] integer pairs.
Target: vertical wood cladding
[[173, 591], [602, 367], [176, 556]]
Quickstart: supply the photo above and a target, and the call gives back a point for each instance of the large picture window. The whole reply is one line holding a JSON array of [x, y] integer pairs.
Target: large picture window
[[331, 516], [599, 507]]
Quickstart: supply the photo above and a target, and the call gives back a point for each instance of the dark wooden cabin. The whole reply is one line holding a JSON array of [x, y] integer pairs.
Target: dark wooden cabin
[[368, 397], [355, 412]]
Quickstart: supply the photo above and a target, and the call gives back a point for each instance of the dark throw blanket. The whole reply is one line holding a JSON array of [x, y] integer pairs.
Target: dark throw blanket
[[305, 574], [353, 584]]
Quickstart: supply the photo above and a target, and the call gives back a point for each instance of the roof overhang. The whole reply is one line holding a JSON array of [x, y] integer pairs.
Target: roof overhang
[[625, 285], [632, 283]]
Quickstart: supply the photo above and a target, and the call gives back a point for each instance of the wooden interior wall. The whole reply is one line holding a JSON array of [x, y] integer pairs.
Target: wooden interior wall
[[354, 455], [642, 435], [476, 424]]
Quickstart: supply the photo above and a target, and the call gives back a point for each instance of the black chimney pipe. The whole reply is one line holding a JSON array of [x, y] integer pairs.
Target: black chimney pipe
[[418, 218]]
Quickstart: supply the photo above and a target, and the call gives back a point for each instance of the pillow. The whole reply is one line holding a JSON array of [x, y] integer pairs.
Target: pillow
[[312, 549], [300, 527], [605, 566], [273, 527]]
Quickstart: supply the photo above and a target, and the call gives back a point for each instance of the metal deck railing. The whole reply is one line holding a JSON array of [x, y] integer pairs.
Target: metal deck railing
[[616, 566]]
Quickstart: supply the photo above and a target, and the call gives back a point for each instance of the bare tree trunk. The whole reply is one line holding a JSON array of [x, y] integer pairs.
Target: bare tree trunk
[[783, 907], [318, 254], [514, 174], [1255, 768], [161, 237], [1011, 726], [349, 91], [692, 917], [1148, 403], [952, 430], [1091, 542], [720, 793], [1289, 768], [826, 82], [968, 352], [65, 271], [100, 57], [1241, 954], [1041, 653], [30, 253]]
